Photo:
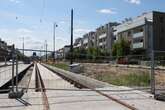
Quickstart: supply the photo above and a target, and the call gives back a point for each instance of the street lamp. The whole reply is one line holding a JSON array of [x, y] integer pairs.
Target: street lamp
[[71, 45], [23, 45], [54, 35], [46, 47]]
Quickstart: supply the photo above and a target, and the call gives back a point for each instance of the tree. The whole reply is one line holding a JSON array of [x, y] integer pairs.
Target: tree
[[114, 49], [121, 48], [92, 53]]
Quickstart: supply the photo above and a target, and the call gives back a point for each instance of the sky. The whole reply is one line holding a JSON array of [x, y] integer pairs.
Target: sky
[[33, 19]]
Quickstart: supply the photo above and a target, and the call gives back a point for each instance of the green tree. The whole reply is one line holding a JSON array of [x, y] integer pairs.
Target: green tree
[[121, 48], [92, 53]]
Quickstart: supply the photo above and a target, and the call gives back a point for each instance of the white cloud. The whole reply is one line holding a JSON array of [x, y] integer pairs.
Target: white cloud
[[33, 39], [24, 30], [6, 15], [137, 2], [14, 36], [107, 11], [15, 1], [11, 16]]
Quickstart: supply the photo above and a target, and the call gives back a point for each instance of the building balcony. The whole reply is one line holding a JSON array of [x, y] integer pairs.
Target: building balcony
[[77, 46], [102, 43], [137, 35], [138, 45], [103, 36], [85, 41]]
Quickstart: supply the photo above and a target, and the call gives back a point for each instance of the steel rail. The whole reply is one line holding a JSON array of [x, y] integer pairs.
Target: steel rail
[[28, 84], [97, 91], [41, 87], [122, 90]]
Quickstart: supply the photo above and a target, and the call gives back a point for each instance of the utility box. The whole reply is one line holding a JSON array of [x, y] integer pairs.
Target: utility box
[[76, 68]]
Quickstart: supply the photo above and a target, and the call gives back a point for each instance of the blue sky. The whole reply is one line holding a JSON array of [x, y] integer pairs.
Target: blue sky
[[21, 18]]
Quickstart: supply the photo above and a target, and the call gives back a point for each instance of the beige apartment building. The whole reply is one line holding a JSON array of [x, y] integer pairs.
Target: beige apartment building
[[139, 31]]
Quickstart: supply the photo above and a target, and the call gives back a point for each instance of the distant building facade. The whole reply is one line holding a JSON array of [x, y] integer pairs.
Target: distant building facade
[[138, 31], [78, 43], [66, 50], [4, 51], [89, 40], [105, 36], [102, 38], [159, 31]]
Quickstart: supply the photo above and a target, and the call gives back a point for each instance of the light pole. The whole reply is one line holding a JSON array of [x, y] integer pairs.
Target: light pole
[[23, 45], [46, 47], [54, 41], [71, 45], [41, 51]]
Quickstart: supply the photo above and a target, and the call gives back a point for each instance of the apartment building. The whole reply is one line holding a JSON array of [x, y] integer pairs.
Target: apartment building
[[4, 51], [139, 31], [105, 36], [89, 40], [159, 31], [102, 38], [78, 43], [66, 50]]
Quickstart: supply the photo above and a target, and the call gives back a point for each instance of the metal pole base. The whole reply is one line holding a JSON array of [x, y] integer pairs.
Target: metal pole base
[[160, 97], [15, 95]]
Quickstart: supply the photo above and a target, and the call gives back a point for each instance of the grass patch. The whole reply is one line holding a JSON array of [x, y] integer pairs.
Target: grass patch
[[63, 66], [131, 79]]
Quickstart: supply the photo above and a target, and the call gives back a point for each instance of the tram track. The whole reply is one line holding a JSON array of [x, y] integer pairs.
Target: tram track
[[40, 87], [82, 85]]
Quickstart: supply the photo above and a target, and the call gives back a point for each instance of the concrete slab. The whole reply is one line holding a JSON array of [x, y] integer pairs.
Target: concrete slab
[[78, 100], [138, 99], [73, 100], [51, 80], [6, 72], [31, 97]]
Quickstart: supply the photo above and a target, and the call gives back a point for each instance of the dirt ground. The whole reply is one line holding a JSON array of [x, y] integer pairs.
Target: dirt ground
[[93, 70], [90, 69]]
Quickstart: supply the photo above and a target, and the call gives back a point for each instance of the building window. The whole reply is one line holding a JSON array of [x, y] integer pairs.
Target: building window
[[161, 19], [141, 30]]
